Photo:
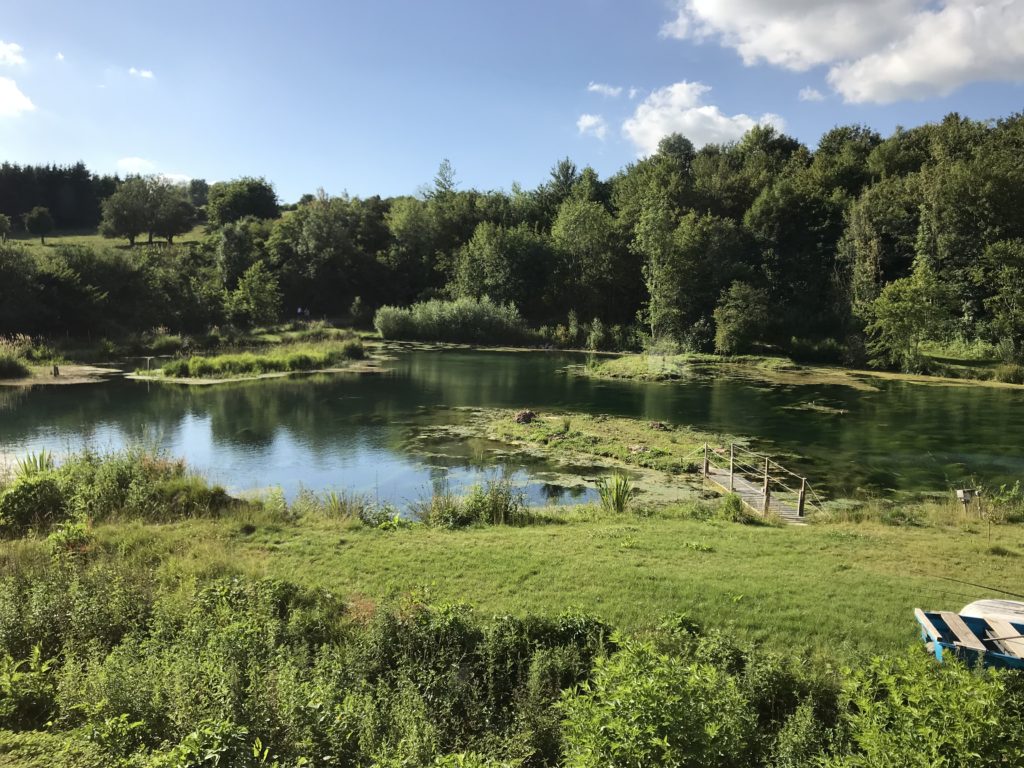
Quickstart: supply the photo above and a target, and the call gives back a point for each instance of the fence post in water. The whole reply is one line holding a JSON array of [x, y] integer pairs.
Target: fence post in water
[[767, 490], [705, 459], [800, 499], [732, 465]]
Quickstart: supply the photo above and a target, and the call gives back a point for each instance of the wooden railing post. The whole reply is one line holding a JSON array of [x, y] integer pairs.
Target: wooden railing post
[[706, 460], [803, 495], [767, 490], [732, 465]]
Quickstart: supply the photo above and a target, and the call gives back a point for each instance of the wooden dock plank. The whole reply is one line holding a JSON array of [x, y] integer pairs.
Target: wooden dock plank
[[963, 633], [1007, 636], [752, 495]]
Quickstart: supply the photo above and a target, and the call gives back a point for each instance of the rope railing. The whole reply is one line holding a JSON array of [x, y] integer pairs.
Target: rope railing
[[766, 474]]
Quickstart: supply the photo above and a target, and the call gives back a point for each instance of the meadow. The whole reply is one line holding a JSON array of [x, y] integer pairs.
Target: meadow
[[149, 619]]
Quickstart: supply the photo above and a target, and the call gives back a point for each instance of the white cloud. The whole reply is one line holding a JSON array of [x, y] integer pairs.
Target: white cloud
[[961, 43], [811, 94], [592, 125], [633, 93], [59, 56], [679, 108], [145, 74], [604, 89], [876, 50], [12, 101], [10, 54], [176, 178], [135, 165]]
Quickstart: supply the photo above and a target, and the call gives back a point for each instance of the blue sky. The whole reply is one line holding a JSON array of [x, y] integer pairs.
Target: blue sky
[[368, 97]]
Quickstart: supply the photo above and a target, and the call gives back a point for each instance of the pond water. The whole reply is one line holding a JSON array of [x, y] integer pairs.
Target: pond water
[[359, 432]]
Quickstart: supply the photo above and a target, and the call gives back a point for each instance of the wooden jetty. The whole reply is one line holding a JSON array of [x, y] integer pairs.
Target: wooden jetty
[[763, 485]]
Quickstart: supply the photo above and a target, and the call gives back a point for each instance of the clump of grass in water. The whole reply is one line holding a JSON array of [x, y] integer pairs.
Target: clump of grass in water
[[616, 492], [494, 503]]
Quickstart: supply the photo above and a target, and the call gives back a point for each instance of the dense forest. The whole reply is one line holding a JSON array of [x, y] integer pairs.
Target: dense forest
[[862, 249]]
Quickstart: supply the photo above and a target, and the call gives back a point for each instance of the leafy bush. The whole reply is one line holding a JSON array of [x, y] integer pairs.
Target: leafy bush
[[899, 714], [34, 501], [26, 691], [465, 320], [648, 708]]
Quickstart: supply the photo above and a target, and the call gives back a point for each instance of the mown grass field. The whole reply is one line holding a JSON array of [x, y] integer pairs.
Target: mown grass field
[[833, 589], [93, 239]]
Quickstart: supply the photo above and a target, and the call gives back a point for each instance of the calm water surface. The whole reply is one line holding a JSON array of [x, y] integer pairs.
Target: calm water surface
[[359, 432]]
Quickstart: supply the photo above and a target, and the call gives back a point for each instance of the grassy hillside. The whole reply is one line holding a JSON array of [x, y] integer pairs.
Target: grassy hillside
[[93, 238]]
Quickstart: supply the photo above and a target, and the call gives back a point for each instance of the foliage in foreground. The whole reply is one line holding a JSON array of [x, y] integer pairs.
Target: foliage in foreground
[[248, 672], [91, 487]]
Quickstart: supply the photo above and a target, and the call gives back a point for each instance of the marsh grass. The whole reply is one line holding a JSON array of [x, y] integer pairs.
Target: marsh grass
[[616, 492], [12, 367], [664, 447], [495, 502], [465, 320], [287, 358]]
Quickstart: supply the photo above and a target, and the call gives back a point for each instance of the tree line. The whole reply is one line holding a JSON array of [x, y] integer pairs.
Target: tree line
[[862, 248]]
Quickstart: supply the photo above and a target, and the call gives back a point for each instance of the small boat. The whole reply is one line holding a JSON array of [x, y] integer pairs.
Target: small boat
[[991, 631]]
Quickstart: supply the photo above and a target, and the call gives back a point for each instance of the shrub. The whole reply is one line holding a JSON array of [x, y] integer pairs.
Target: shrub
[[647, 708], [26, 691], [469, 321], [597, 337], [899, 714], [12, 367], [32, 501], [71, 539]]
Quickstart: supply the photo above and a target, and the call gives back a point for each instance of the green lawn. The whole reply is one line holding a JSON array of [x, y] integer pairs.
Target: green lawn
[[92, 238], [833, 589]]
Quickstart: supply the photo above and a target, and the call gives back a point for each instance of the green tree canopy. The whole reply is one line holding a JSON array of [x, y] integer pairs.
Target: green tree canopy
[[38, 221], [126, 213], [230, 201], [257, 299]]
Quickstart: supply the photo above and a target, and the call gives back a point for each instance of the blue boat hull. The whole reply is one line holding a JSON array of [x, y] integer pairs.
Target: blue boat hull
[[942, 642]]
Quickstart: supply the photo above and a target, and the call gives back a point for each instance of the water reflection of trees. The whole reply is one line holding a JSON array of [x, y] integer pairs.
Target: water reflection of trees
[[902, 436]]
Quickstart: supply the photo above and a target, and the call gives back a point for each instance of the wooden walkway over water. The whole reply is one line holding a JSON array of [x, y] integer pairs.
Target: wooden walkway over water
[[762, 484]]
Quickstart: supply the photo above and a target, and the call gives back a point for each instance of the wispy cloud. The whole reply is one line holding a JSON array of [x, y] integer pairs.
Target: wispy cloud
[[811, 94], [12, 101], [145, 74], [59, 56], [592, 125], [10, 54], [604, 89], [135, 165]]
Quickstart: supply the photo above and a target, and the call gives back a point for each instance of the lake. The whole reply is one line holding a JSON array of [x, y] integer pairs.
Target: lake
[[360, 432]]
